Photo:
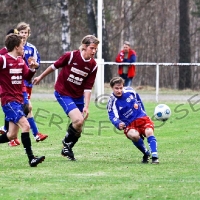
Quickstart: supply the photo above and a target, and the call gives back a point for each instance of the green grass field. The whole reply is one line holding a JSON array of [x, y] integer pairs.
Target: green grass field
[[108, 166]]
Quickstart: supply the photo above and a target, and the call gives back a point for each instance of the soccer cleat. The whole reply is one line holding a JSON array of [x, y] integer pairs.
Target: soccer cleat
[[36, 160], [155, 160], [67, 151], [13, 143], [2, 130], [40, 137], [146, 158], [17, 141]]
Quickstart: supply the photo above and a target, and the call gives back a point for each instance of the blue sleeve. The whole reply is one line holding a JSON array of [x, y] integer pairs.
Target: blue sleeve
[[114, 120], [140, 101], [131, 59], [25, 96]]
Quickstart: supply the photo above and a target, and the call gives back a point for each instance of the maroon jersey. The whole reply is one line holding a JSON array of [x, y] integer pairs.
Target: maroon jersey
[[3, 51], [12, 73], [76, 75]]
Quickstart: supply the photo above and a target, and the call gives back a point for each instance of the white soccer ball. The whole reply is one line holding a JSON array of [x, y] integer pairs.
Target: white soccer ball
[[162, 112]]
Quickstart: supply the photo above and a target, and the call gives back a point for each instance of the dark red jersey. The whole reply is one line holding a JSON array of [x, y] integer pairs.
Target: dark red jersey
[[76, 75], [3, 51], [12, 73]]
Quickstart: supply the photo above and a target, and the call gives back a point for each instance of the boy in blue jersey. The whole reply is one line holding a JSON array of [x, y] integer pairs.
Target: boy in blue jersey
[[31, 56], [126, 112]]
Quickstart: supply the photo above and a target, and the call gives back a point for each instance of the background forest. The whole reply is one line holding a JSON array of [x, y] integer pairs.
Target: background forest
[[151, 26]]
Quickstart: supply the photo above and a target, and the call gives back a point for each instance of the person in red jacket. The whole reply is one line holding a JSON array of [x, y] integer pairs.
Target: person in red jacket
[[127, 72]]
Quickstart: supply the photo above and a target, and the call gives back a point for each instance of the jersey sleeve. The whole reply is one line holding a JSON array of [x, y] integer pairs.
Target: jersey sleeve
[[63, 60], [140, 101], [113, 113]]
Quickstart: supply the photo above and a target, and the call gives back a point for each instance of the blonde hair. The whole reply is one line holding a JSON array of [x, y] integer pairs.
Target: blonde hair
[[22, 26], [87, 40]]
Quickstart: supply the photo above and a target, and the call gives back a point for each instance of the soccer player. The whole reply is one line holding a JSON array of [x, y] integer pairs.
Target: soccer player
[[31, 55], [126, 112], [13, 70], [4, 128], [73, 88]]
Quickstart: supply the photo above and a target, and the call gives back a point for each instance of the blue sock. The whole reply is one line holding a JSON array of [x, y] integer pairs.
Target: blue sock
[[153, 146], [141, 146], [33, 126]]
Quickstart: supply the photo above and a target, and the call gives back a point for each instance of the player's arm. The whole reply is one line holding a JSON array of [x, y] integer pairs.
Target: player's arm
[[113, 116], [87, 95], [49, 70], [28, 73]]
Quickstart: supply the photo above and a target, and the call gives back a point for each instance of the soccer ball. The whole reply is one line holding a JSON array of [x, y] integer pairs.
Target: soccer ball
[[162, 112]]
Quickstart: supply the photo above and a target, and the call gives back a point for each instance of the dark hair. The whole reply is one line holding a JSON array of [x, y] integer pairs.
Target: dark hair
[[12, 41], [116, 80], [12, 31]]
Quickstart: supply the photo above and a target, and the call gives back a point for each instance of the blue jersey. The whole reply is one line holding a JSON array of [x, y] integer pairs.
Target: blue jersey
[[30, 51], [121, 109]]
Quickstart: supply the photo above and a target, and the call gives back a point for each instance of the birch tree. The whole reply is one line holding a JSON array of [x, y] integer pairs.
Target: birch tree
[[65, 25]]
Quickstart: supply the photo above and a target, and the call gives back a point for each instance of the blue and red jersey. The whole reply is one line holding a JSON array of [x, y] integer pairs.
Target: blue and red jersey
[[121, 109]]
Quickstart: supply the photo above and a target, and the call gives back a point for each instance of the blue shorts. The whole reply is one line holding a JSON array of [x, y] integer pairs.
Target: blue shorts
[[68, 103], [13, 111]]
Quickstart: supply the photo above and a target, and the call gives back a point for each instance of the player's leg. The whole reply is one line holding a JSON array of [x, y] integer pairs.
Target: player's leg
[[26, 141], [134, 135], [73, 108], [73, 133], [151, 139], [37, 135]]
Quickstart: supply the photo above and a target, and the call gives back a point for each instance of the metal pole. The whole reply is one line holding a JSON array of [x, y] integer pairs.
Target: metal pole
[[99, 83], [157, 81]]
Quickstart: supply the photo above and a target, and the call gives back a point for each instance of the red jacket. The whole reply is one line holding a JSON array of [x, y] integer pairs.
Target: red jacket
[[131, 58]]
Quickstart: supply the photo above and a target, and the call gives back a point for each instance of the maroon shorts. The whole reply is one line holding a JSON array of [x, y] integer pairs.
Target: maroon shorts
[[140, 125]]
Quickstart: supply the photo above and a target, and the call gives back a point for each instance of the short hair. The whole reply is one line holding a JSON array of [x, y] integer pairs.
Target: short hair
[[87, 40], [12, 41], [22, 26], [116, 80], [127, 43]]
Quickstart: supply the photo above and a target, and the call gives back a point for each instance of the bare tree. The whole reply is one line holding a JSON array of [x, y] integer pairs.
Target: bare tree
[[184, 45], [65, 25]]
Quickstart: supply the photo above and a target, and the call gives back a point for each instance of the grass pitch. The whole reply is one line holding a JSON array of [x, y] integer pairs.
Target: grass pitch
[[108, 166]]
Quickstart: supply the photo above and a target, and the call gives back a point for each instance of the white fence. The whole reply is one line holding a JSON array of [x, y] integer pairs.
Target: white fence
[[99, 83]]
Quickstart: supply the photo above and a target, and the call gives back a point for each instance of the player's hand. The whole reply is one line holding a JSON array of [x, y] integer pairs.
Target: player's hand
[[122, 125], [85, 113], [32, 63], [135, 106], [36, 80]]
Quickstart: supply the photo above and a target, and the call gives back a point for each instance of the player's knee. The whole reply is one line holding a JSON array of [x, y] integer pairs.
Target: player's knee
[[26, 127], [133, 135], [149, 132], [72, 131], [78, 124]]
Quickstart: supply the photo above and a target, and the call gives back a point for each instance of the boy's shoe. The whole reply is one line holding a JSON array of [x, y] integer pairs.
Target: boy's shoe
[[155, 160], [36, 160], [67, 151], [13, 143], [146, 158], [2, 130], [40, 137], [17, 141]]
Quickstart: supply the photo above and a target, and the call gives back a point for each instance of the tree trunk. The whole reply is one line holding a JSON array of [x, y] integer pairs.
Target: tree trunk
[[184, 45], [65, 25]]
